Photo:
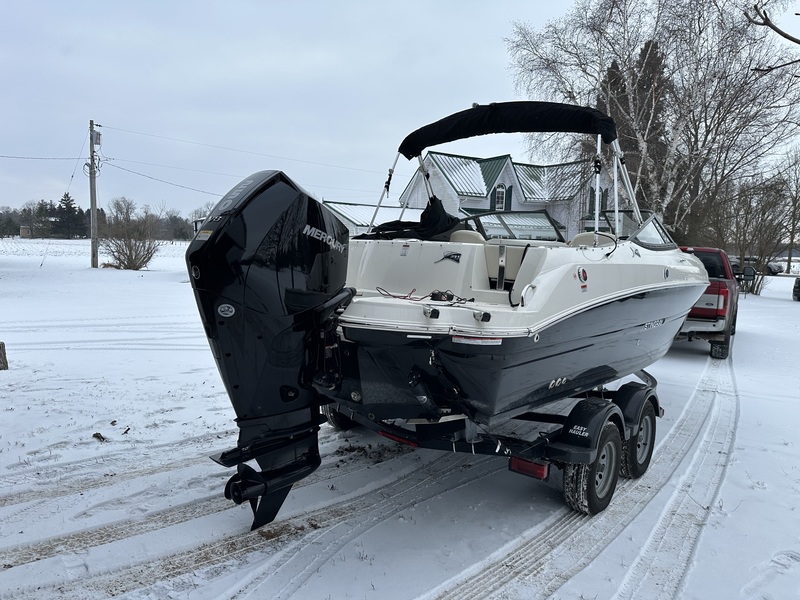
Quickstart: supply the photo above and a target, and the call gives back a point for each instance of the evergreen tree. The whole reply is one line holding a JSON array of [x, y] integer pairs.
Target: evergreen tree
[[67, 223]]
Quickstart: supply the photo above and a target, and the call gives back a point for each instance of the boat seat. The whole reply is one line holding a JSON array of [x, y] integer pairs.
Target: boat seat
[[468, 236], [586, 238]]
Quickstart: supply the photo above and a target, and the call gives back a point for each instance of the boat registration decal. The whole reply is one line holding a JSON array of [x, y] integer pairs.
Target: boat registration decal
[[654, 324], [475, 341]]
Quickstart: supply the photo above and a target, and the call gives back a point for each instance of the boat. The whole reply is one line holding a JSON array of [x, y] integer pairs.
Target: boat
[[446, 333]]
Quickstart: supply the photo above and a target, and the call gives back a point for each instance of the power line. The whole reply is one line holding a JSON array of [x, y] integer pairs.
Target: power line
[[309, 162], [77, 161], [239, 176], [40, 157], [138, 162], [163, 181]]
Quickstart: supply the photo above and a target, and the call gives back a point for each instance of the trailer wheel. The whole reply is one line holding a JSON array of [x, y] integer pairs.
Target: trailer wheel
[[589, 488], [336, 419], [637, 451]]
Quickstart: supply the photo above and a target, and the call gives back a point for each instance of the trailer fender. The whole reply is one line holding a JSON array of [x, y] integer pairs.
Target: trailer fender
[[580, 436], [631, 399]]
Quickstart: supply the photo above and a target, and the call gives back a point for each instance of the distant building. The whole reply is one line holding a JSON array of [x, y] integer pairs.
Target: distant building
[[357, 217], [469, 185], [24, 231]]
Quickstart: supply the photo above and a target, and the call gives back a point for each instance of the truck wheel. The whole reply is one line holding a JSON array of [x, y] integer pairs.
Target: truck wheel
[[722, 349], [589, 488], [719, 350], [336, 419], [637, 451]]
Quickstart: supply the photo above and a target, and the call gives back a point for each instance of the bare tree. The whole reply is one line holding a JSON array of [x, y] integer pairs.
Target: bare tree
[[791, 178], [202, 212], [128, 237], [759, 224], [706, 119], [761, 18]]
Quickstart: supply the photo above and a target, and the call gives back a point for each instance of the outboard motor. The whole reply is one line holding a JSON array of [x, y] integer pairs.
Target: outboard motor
[[268, 270]]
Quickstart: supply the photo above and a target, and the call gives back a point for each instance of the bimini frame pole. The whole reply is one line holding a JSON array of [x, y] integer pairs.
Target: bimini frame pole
[[597, 196], [384, 193], [620, 157], [616, 197]]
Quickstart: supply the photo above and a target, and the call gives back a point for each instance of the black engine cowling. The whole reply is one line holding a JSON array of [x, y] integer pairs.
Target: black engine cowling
[[268, 270]]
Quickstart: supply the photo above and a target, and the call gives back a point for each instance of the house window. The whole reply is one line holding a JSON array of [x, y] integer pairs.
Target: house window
[[500, 197]]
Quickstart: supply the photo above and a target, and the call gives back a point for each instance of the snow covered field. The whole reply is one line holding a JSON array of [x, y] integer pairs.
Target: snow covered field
[[112, 404]]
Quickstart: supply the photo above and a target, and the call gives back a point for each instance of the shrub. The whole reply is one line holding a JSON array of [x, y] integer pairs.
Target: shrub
[[128, 235]]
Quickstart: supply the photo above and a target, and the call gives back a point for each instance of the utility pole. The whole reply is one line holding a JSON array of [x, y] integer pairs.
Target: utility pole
[[92, 194]]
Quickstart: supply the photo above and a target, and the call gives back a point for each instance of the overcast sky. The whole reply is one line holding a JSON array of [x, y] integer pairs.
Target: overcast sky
[[323, 90]]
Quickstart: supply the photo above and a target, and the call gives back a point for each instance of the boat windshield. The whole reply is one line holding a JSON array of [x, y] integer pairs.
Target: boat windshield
[[651, 234], [528, 225], [627, 222]]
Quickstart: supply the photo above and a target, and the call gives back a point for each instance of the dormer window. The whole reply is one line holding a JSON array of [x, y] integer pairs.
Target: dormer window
[[500, 197]]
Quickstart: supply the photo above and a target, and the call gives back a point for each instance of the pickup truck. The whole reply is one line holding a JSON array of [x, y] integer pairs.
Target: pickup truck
[[713, 317]]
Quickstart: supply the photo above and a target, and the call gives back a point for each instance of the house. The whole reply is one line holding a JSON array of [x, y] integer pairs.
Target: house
[[469, 185], [357, 217]]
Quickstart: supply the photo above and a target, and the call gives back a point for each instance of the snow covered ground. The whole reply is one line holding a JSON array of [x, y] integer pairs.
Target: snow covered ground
[[112, 404]]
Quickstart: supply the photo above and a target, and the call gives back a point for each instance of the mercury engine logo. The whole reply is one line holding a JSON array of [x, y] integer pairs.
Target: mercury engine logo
[[323, 236]]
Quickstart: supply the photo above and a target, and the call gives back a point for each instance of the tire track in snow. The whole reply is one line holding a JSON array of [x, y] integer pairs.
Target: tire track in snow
[[546, 556], [295, 567], [288, 539], [660, 569], [77, 476], [81, 541]]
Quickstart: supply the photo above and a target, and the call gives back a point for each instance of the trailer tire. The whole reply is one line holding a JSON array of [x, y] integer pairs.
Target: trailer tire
[[336, 419], [638, 450], [589, 488]]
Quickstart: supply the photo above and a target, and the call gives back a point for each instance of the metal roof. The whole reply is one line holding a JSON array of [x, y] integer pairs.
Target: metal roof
[[471, 176], [463, 173], [551, 182], [360, 215], [491, 167]]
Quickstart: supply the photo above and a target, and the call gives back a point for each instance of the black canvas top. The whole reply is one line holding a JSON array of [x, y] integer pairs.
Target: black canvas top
[[509, 117], [434, 223]]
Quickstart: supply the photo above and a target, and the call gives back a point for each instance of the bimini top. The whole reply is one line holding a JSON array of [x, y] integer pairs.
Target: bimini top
[[509, 117]]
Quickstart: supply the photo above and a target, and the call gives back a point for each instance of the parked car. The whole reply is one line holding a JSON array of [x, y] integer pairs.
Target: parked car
[[771, 268], [713, 317], [796, 290]]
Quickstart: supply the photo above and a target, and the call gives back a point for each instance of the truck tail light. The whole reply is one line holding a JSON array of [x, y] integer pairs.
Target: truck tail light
[[713, 304], [722, 301]]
